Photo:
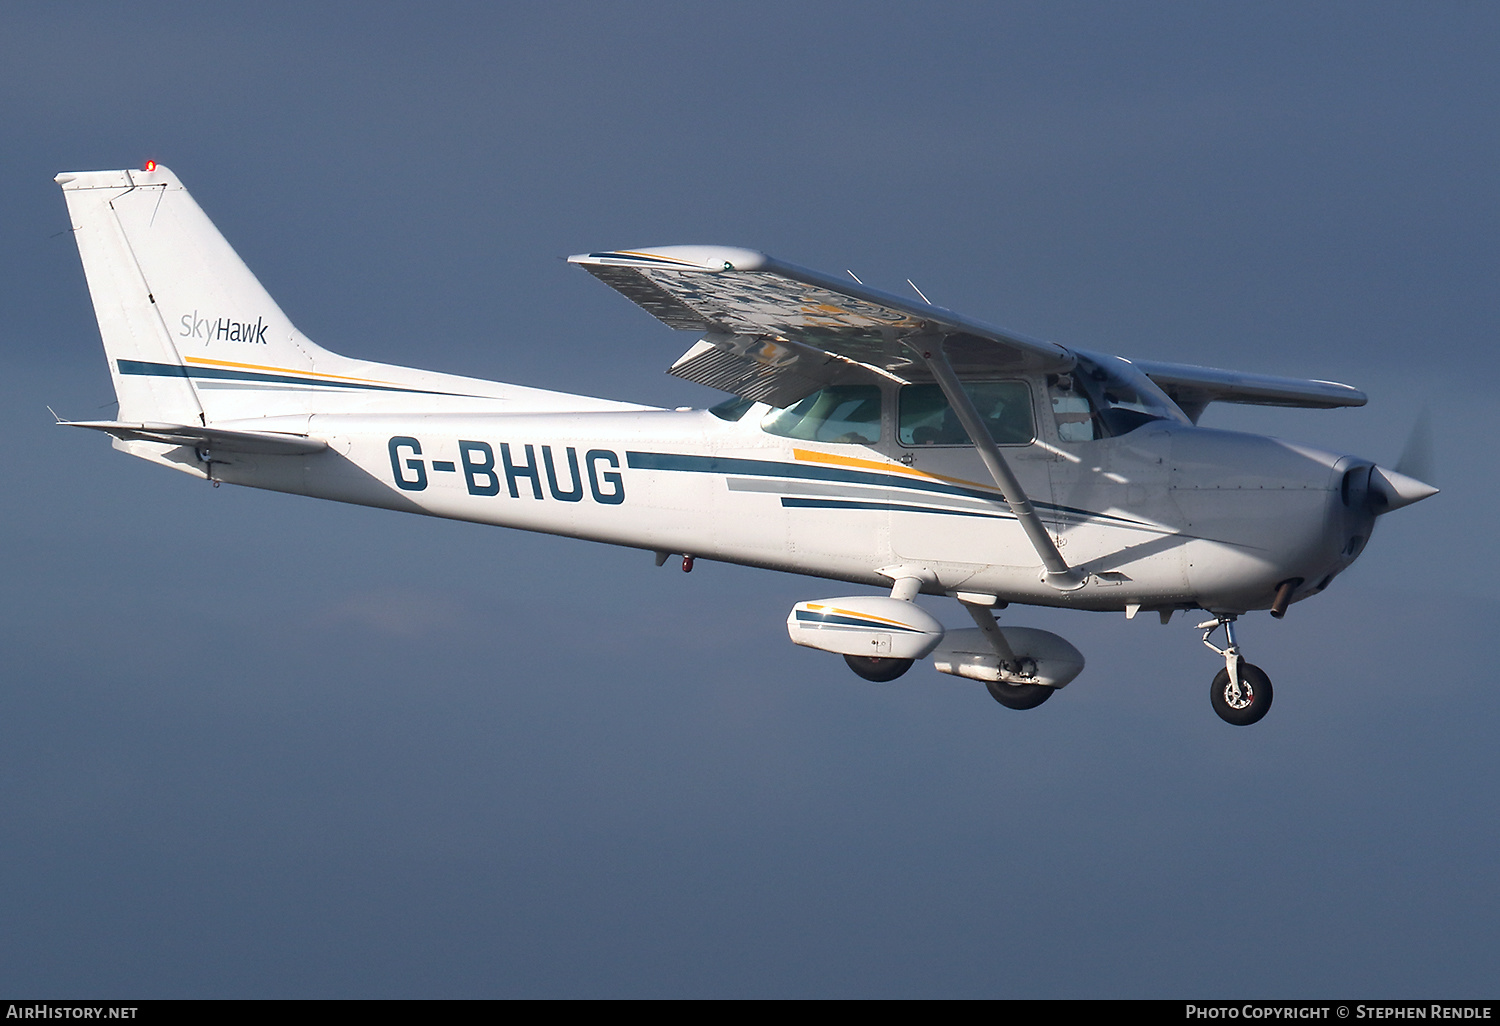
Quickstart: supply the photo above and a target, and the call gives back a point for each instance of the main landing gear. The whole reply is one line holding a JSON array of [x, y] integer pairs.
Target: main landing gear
[[1241, 693], [878, 669], [1018, 696]]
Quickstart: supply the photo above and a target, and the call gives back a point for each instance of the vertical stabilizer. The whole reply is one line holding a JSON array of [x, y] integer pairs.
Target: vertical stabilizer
[[177, 308], [193, 339]]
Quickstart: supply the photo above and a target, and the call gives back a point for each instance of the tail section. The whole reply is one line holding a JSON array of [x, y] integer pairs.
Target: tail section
[[177, 308], [193, 338]]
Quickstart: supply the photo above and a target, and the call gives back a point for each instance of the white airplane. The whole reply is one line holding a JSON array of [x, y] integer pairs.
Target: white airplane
[[869, 439]]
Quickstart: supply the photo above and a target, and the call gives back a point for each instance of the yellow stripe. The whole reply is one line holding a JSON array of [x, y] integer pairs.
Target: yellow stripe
[[282, 370], [869, 616], [656, 256], [812, 456], [814, 606]]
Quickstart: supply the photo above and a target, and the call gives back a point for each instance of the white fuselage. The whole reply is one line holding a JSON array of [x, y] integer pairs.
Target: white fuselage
[[866, 487], [1166, 516]]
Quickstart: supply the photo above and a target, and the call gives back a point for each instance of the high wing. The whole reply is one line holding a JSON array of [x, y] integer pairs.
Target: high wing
[[1193, 388], [777, 332]]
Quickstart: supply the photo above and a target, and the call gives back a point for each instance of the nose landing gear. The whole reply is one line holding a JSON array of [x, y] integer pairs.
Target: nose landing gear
[[1241, 692]]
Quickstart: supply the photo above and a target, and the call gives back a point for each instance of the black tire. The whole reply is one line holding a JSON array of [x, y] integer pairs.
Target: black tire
[[876, 669], [1255, 696], [1019, 696]]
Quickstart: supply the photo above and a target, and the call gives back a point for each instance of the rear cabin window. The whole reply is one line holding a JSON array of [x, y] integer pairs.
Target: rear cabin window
[[838, 413], [732, 409], [927, 419]]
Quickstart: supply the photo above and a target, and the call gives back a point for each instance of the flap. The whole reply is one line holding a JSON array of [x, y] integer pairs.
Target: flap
[[776, 372]]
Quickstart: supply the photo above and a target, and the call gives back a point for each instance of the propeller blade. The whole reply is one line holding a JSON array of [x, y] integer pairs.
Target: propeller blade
[[1417, 457]]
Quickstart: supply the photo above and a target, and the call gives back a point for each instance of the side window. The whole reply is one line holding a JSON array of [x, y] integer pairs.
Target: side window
[[927, 419], [838, 413]]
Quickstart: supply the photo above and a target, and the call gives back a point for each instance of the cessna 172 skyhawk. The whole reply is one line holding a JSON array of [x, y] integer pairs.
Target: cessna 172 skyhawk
[[870, 439]]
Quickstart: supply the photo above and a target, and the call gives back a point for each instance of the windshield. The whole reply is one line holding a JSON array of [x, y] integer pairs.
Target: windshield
[[1104, 396]]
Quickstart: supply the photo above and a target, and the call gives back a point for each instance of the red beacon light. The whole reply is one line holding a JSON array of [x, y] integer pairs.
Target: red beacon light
[[150, 166]]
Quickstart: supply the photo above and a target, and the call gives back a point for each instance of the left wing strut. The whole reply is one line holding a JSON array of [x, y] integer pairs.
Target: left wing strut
[[1059, 575]]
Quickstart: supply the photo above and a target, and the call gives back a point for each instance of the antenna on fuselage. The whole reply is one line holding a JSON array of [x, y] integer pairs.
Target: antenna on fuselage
[[918, 291]]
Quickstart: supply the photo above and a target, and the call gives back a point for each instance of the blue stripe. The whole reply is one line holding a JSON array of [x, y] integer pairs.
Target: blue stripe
[[849, 621], [895, 507], [653, 260], [173, 370], [813, 472], [156, 370], [772, 468]]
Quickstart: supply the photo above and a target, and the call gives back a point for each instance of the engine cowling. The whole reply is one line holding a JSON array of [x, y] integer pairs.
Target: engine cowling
[[865, 625], [1044, 657]]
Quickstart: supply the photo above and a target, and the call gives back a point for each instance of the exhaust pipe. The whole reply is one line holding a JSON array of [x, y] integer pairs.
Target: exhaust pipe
[[1284, 596]]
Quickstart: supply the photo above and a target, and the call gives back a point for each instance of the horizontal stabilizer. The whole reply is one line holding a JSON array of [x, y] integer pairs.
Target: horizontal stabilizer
[[263, 443]]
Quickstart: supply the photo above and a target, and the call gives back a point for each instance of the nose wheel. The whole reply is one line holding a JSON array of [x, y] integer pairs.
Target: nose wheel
[[1241, 692]]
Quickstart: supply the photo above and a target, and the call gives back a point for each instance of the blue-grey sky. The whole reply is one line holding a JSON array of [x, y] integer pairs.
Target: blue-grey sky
[[256, 745]]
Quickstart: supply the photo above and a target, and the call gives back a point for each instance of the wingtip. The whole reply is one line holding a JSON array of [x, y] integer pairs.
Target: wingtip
[[683, 258]]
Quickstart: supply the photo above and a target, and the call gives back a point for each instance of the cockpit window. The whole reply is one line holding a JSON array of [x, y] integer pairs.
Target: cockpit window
[[1105, 396], [927, 419], [838, 413]]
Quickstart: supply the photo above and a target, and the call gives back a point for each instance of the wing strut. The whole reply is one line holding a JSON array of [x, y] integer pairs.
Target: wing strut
[[1059, 574]]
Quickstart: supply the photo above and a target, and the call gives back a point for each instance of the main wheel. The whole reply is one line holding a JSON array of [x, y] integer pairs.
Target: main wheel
[[1019, 696], [877, 669], [1253, 701]]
